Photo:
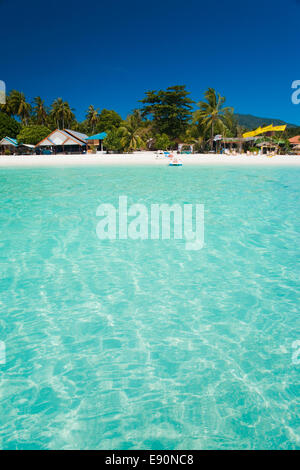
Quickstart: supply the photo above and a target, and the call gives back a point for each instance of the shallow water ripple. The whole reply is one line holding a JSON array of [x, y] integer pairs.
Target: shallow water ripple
[[142, 344]]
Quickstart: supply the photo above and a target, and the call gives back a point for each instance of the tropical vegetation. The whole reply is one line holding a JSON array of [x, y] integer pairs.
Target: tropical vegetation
[[8, 126], [164, 119], [33, 134]]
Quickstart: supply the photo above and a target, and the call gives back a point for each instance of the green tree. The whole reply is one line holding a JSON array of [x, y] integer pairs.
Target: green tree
[[6, 108], [108, 120], [230, 124], [194, 135], [291, 132], [162, 142], [92, 117], [40, 111], [211, 112], [33, 134], [62, 113], [113, 141], [82, 127], [136, 119], [9, 127], [130, 134], [10, 107], [16, 105], [169, 109]]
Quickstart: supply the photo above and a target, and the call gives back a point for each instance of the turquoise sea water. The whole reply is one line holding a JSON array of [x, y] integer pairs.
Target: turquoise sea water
[[142, 344]]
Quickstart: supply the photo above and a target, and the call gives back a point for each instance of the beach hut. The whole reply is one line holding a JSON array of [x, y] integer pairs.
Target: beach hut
[[12, 146], [233, 144], [295, 143], [96, 141], [295, 140], [268, 147], [8, 144], [26, 149], [185, 148], [296, 149], [63, 141]]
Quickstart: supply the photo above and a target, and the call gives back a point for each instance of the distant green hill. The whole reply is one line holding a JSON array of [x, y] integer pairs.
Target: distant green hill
[[251, 122]]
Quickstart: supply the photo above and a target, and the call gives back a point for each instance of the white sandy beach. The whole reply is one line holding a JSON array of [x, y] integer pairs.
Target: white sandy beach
[[144, 158]]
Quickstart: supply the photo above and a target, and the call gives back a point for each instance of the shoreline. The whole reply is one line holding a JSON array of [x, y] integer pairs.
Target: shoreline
[[144, 158]]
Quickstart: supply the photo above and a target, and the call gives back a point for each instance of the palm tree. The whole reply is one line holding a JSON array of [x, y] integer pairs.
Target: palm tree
[[62, 113], [40, 110], [92, 117], [211, 111], [131, 134], [24, 111], [7, 107], [231, 127], [136, 119], [193, 136], [18, 106]]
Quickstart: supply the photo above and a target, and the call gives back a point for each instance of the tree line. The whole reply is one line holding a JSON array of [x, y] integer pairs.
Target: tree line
[[163, 119]]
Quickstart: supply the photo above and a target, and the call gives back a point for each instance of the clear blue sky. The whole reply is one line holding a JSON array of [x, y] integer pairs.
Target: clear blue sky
[[109, 53]]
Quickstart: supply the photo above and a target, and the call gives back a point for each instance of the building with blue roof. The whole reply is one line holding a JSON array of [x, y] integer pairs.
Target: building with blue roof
[[8, 144], [9, 141], [96, 141]]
